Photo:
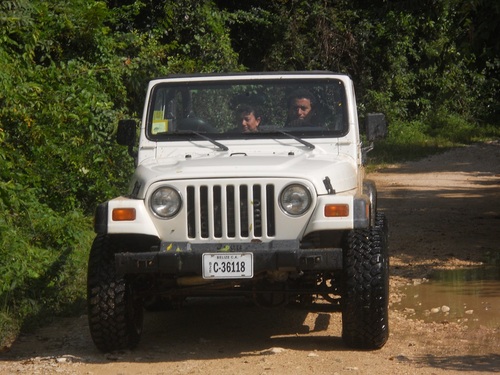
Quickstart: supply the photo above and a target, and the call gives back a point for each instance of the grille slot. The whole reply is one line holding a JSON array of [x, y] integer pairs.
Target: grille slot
[[230, 211]]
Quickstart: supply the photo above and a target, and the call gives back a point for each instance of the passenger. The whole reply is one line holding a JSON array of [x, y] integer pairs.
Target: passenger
[[301, 109]]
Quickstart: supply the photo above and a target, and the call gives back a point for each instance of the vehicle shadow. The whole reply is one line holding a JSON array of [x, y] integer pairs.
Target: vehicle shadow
[[202, 329], [220, 328]]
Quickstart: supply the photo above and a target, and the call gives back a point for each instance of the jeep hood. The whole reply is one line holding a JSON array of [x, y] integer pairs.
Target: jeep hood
[[341, 170]]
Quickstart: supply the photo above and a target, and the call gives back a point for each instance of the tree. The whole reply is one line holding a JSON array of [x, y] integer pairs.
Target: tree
[[408, 59]]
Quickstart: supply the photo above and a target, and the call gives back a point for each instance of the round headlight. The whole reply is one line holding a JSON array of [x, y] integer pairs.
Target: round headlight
[[166, 202], [295, 199]]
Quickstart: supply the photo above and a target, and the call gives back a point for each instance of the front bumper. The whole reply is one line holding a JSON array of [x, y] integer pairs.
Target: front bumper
[[183, 258]]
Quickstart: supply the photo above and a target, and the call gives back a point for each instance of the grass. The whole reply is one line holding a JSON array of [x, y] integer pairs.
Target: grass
[[60, 291], [42, 283], [416, 140]]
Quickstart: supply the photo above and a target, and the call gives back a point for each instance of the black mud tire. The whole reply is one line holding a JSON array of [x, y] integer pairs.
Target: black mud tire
[[115, 315], [365, 291]]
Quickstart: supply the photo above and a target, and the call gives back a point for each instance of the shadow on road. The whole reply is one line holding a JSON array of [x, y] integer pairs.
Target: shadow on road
[[202, 329], [444, 208], [477, 363]]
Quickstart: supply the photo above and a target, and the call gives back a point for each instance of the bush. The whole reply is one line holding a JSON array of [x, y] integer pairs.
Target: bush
[[70, 70], [451, 127], [43, 257]]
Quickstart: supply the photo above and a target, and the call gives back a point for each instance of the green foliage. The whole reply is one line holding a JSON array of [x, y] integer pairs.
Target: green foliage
[[197, 29], [405, 141], [296, 35], [452, 127], [70, 70], [411, 58], [42, 259], [436, 133]]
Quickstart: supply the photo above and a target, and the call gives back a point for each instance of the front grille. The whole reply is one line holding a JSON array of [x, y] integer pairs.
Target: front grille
[[231, 211]]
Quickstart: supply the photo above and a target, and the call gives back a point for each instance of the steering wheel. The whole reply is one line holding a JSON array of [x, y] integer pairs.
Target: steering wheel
[[195, 124]]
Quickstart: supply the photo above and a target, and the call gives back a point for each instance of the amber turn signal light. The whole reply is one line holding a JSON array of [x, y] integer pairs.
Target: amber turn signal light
[[123, 214], [336, 210]]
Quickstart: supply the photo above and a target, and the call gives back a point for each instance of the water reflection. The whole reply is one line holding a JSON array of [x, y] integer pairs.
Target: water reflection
[[468, 296]]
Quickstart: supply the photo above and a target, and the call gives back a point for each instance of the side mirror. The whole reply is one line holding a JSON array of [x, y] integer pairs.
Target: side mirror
[[125, 135], [376, 126]]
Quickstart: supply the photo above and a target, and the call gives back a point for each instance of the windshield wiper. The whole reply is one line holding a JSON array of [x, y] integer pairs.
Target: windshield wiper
[[213, 141], [310, 145]]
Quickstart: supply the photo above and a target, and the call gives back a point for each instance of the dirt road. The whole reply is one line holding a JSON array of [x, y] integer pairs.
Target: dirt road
[[444, 212]]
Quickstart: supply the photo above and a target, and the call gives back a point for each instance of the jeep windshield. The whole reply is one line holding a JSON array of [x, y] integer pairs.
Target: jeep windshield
[[231, 109]]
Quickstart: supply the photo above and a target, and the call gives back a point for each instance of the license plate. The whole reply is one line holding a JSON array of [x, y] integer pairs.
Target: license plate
[[227, 265]]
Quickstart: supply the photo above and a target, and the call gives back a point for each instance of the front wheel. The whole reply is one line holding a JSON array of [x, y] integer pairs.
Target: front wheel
[[115, 314], [365, 296]]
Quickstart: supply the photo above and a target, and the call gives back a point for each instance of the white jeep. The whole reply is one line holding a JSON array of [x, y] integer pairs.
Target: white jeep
[[279, 212]]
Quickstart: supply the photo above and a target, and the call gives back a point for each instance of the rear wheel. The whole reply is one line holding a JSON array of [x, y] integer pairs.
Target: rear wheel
[[115, 314], [365, 294]]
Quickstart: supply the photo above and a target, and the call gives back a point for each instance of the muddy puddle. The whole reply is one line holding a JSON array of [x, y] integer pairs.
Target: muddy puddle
[[470, 297]]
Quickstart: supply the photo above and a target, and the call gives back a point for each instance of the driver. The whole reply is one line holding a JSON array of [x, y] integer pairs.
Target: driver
[[249, 117]]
